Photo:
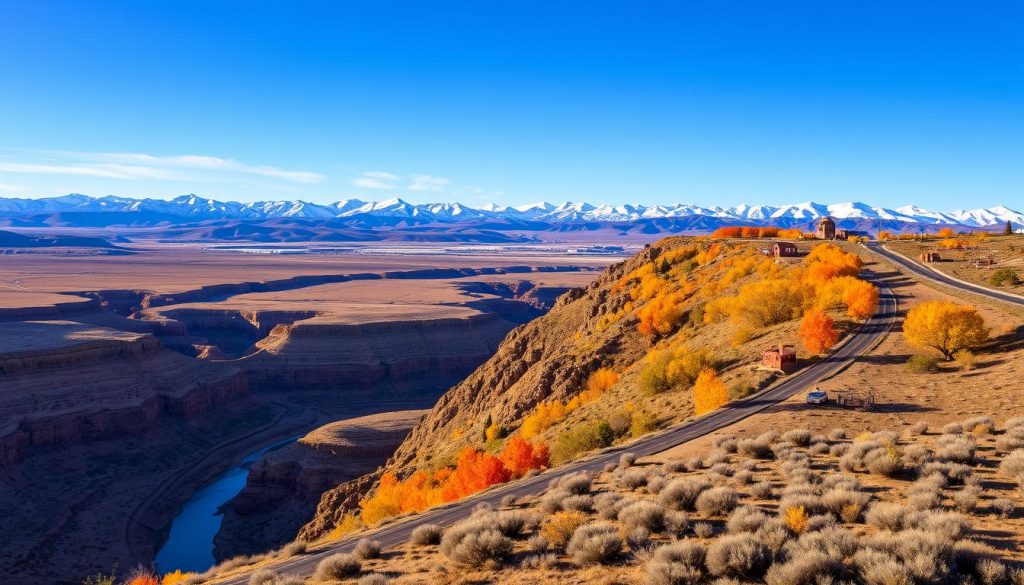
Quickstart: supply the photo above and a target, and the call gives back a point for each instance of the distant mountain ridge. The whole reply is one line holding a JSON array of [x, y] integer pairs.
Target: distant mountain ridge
[[86, 211]]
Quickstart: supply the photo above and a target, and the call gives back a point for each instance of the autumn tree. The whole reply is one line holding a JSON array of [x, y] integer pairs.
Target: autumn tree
[[946, 232], [945, 327], [661, 315], [818, 332], [519, 456], [709, 392]]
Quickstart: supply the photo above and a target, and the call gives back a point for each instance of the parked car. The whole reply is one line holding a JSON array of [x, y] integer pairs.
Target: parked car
[[817, 397]]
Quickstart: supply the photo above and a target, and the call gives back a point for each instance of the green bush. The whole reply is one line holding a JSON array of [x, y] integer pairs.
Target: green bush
[[922, 364], [1004, 277], [573, 443], [653, 379], [643, 423]]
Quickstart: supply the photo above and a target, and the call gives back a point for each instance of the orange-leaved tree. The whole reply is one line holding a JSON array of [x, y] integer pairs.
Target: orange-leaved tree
[[945, 327], [600, 380], [709, 392], [519, 456], [661, 315], [818, 332]]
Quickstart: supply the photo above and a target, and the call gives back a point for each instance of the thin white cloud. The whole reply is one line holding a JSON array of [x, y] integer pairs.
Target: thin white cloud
[[428, 183], [129, 165], [376, 180]]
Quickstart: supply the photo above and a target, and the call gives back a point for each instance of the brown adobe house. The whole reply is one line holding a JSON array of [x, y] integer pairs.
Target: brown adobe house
[[784, 250], [781, 358], [826, 229]]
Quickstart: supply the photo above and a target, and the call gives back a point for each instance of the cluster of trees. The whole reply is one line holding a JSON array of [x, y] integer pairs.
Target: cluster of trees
[[827, 279], [474, 471], [547, 413], [756, 232], [945, 327], [673, 368]]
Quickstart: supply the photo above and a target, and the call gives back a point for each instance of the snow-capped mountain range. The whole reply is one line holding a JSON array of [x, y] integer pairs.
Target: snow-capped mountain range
[[192, 208]]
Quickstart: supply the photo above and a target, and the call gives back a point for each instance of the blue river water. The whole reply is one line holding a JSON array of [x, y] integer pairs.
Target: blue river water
[[189, 545]]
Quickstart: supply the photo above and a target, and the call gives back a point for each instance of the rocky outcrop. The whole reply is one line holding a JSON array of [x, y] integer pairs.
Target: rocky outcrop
[[363, 356], [66, 383], [540, 360], [284, 486]]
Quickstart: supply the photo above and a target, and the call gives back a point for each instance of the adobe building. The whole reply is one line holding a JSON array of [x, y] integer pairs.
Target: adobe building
[[781, 358], [826, 229], [784, 250]]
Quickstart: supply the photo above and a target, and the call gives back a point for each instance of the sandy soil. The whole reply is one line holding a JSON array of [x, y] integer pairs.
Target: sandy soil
[[1006, 251]]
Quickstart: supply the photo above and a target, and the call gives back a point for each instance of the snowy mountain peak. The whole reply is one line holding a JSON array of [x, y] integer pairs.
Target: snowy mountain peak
[[192, 207]]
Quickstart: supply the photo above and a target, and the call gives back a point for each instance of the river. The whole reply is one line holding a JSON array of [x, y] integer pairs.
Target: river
[[189, 545]]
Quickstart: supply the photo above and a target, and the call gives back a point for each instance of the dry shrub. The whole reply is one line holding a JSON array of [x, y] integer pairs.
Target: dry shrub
[[966, 500], [475, 542], [756, 448], [746, 519], [808, 569], [627, 460], [559, 528], [578, 503], [992, 572], [537, 544], [717, 501], [918, 428], [552, 501], [633, 479], [798, 437], [643, 514], [540, 561], [294, 548], [887, 516], [338, 566], [676, 523], [837, 434], [674, 467], [703, 530], [682, 494], [834, 541], [374, 579], [1012, 466], [608, 505], [879, 568], [367, 549], [742, 556], [1004, 507], [427, 534], [595, 544], [577, 483], [762, 490], [678, 563]]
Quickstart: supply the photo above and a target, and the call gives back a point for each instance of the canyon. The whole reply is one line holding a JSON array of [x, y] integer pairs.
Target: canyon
[[132, 380]]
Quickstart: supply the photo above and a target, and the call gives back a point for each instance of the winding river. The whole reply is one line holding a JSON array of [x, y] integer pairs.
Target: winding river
[[189, 545]]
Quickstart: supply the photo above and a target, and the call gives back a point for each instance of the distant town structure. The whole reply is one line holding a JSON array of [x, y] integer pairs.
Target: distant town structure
[[784, 250], [826, 229], [782, 358]]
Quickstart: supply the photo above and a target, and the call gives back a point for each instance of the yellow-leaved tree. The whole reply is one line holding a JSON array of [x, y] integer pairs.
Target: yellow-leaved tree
[[818, 332], [709, 392], [945, 327]]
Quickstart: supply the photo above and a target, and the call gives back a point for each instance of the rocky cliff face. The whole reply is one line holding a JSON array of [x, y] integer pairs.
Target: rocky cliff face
[[71, 383], [362, 357], [284, 486], [550, 357]]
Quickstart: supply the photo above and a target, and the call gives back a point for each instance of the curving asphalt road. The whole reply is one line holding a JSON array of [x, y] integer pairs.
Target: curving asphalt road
[[859, 343], [943, 279]]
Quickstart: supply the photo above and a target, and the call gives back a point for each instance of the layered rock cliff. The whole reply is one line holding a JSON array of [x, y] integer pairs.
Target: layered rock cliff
[[67, 383], [284, 486]]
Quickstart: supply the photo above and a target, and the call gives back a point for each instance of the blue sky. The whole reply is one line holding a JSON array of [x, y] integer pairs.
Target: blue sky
[[707, 102]]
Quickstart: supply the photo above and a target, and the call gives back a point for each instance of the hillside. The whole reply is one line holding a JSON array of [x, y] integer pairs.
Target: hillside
[[618, 359]]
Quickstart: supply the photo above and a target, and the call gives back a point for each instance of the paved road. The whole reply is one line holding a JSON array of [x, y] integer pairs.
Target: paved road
[[936, 276], [861, 342]]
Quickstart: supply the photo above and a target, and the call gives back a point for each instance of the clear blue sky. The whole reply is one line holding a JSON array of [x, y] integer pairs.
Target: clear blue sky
[[709, 102]]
